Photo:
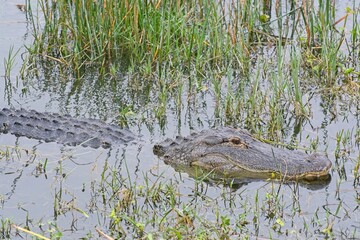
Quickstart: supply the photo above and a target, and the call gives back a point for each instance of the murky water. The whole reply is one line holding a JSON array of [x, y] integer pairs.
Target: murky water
[[28, 190]]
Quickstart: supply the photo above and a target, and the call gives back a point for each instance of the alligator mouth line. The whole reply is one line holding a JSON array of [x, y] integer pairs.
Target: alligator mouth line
[[272, 174]]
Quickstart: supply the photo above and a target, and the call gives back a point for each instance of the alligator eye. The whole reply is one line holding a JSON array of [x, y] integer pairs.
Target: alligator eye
[[235, 140]]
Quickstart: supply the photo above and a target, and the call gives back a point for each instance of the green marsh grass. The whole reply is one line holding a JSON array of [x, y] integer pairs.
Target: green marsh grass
[[9, 64], [5, 228], [174, 50], [10, 61]]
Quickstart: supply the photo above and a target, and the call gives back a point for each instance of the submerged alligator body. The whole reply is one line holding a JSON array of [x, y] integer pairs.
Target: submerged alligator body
[[234, 153], [226, 151], [64, 129]]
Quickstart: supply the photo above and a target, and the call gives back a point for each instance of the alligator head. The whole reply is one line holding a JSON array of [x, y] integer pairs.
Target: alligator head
[[234, 153]]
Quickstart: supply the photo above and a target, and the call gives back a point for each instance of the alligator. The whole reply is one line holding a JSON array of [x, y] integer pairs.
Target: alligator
[[230, 152], [233, 153]]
